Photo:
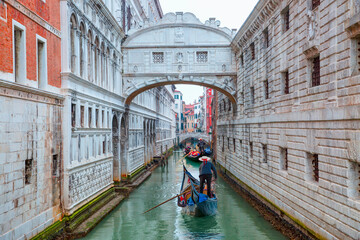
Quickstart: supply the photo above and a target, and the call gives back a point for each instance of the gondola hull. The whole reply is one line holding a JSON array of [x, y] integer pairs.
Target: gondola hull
[[196, 158], [206, 208]]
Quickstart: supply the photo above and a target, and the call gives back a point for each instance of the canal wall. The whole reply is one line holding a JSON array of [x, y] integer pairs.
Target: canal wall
[[294, 135]]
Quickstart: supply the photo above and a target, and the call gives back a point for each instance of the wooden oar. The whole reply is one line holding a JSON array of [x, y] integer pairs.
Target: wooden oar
[[166, 201], [184, 157]]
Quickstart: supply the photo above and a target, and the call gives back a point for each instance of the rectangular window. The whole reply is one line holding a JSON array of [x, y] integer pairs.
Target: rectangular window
[[82, 115], [55, 166], [73, 114], [285, 82], [228, 140], [41, 64], [252, 95], [242, 60], [19, 54], [28, 170], [283, 159], [266, 38], [252, 49], [202, 57], [285, 18], [312, 167], [89, 116], [240, 145], [315, 73], [251, 149], [103, 118], [315, 4], [223, 143], [234, 144], [264, 153], [97, 118], [103, 147], [158, 57], [266, 89]]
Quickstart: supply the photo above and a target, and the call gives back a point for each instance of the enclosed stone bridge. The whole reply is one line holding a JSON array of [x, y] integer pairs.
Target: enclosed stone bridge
[[179, 50], [183, 136]]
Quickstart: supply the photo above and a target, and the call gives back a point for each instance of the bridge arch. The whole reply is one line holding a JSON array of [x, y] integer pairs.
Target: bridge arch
[[179, 50]]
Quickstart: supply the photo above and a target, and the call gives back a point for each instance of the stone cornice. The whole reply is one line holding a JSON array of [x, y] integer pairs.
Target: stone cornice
[[352, 26], [262, 12]]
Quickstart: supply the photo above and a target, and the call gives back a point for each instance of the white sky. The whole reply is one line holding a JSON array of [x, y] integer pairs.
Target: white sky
[[231, 13]]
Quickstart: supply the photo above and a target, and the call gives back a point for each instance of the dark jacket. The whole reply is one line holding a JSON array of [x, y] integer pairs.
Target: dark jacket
[[206, 169]]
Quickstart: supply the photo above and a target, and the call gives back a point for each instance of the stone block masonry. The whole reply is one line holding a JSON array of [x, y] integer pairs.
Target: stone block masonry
[[294, 137], [30, 149]]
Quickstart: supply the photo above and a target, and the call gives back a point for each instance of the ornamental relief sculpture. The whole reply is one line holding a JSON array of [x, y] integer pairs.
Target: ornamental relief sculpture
[[312, 24]]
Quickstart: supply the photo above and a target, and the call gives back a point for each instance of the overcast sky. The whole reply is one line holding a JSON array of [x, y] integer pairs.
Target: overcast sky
[[231, 13]]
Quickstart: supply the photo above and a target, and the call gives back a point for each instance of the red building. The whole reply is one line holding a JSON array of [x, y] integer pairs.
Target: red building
[[209, 98]]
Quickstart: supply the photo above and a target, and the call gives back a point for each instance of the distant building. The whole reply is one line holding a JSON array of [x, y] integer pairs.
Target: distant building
[[179, 111], [209, 96]]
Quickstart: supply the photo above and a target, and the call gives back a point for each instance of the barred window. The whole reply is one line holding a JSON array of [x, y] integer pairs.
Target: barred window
[[266, 89], [201, 57], [242, 60], [252, 95], [315, 4], [158, 57], [28, 170], [283, 158], [285, 78], [264, 151], [286, 18], [266, 38], [252, 49], [315, 75]]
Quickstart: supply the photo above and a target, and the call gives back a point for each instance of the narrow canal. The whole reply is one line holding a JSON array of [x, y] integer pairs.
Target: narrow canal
[[236, 219]]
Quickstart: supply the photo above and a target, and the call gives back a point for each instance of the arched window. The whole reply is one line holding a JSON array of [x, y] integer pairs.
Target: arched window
[[96, 59], [107, 82], [115, 87], [73, 27], [102, 69], [229, 103], [224, 104], [89, 56], [82, 50]]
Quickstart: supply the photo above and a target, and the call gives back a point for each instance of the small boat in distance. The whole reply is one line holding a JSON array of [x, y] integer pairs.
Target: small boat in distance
[[194, 155], [192, 201]]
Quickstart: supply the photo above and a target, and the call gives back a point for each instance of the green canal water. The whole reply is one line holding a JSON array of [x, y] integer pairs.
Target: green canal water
[[236, 219]]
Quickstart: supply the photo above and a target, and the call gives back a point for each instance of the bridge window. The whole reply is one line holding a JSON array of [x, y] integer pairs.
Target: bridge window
[[158, 57], [202, 57], [315, 73]]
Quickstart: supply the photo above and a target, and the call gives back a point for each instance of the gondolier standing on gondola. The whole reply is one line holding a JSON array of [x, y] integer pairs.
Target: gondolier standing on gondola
[[205, 170]]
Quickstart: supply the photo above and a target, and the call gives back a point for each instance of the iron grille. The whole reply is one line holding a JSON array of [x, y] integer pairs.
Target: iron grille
[[158, 57], [315, 165], [201, 57], [358, 53], [286, 82], [285, 159], [316, 72], [315, 3], [266, 89]]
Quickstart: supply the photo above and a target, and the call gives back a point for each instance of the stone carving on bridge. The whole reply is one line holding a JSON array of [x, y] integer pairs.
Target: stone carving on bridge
[[229, 85], [179, 57], [179, 35]]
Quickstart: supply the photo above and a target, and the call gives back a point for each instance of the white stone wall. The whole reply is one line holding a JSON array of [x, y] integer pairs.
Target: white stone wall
[[321, 120], [30, 123]]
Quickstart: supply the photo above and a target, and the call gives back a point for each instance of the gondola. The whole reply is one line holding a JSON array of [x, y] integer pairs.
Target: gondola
[[207, 151], [191, 201], [194, 156]]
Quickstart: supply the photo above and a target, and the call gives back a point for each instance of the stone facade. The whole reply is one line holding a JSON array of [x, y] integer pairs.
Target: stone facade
[[30, 117], [294, 136]]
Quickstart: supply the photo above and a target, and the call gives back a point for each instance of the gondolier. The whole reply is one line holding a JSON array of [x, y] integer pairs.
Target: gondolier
[[205, 170]]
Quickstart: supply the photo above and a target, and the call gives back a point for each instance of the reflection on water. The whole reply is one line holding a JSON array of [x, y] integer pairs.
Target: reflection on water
[[236, 219]]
